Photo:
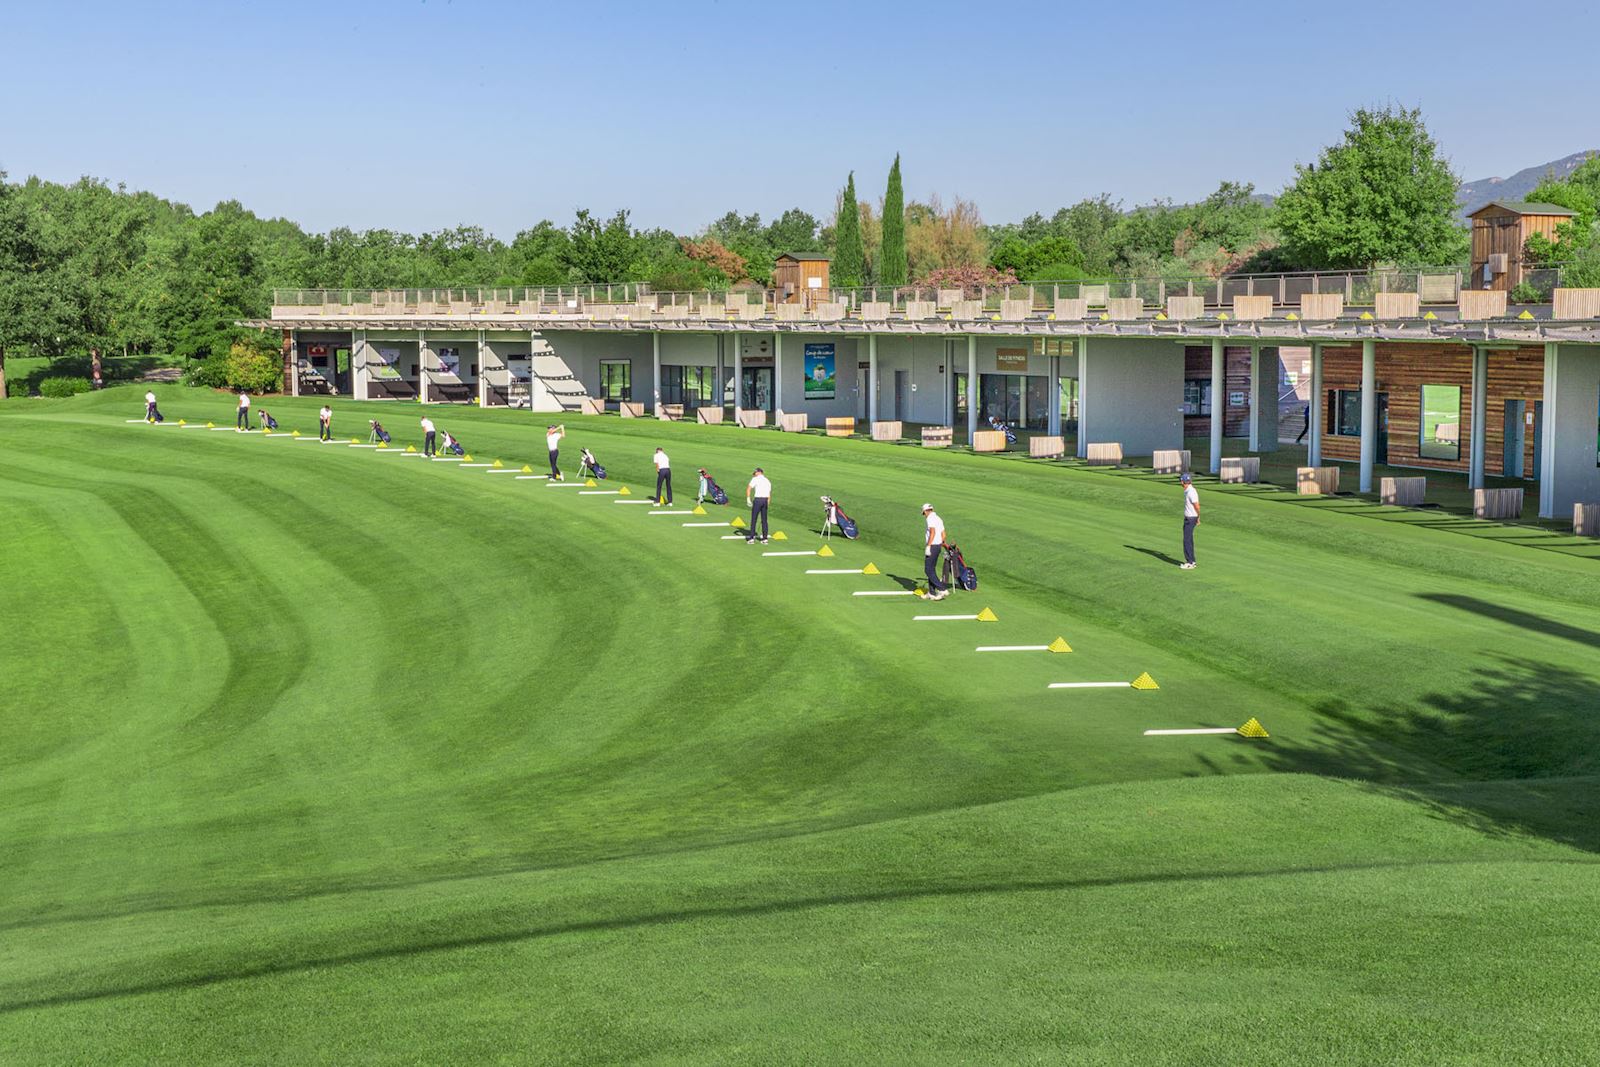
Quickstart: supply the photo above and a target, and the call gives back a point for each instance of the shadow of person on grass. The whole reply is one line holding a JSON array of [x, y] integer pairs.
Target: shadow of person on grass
[[1162, 556], [903, 582]]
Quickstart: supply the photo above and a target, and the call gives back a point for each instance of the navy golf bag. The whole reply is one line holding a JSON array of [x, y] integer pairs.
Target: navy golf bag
[[455, 448], [156, 416], [590, 466], [267, 421], [835, 516], [718, 495], [956, 571], [379, 434]]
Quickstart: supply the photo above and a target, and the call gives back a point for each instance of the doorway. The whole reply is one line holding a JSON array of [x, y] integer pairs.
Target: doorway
[[1382, 455], [756, 389], [1512, 458], [900, 379]]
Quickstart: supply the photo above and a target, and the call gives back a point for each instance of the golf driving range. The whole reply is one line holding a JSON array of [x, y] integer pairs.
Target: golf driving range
[[320, 753]]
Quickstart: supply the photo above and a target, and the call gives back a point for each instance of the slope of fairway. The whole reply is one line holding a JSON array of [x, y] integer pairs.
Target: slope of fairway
[[354, 754]]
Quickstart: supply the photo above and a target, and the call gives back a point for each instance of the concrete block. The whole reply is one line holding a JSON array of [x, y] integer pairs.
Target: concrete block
[[1240, 470], [1103, 453], [989, 441], [1402, 492], [1047, 447], [1316, 481], [886, 431]]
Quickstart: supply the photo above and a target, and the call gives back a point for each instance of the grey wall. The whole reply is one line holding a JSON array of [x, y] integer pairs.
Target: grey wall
[[582, 353], [1132, 393], [1571, 399]]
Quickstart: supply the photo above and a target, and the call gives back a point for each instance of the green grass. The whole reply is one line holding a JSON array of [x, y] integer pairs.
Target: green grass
[[312, 755]]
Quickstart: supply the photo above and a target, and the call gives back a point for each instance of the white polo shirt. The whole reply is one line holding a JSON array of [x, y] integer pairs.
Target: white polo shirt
[[244, 400], [936, 526], [1191, 503], [760, 487], [552, 440], [326, 413], [427, 425], [662, 463], [149, 398]]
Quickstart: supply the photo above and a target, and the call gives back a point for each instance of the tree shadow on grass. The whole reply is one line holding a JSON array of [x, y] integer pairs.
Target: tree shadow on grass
[[1515, 750]]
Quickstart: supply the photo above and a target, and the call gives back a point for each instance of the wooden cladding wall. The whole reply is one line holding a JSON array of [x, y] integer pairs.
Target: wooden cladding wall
[[1403, 369], [1236, 369]]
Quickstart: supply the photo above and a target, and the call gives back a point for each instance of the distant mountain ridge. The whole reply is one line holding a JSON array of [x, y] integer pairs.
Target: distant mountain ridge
[[1473, 195]]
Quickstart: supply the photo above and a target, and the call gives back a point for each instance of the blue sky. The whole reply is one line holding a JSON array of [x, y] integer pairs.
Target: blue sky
[[418, 116]]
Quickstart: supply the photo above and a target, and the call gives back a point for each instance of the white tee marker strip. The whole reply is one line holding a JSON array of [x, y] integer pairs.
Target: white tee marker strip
[[566, 485], [651, 503], [702, 525], [671, 512], [394, 452], [223, 429], [308, 440], [885, 592], [361, 446], [1181, 733], [465, 465], [501, 470], [1091, 685], [445, 459], [532, 477], [135, 420], [1013, 648], [194, 426], [856, 570], [790, 554], [600, 492], [734, 537], [944, 618]]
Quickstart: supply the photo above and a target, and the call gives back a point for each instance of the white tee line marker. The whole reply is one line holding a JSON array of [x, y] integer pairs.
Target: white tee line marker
[[943, 618], [445, 459], [308, 440], [361, 446], [600, 492], [532, 477], [566, 485], [652, 503], [465, 465], [194, 426], [1180, 733], [223, 429], [135, 420], [1091, 685], [394, 452], [702, 525], [788, 553], [1013, 648], [412, 455], [856, 570], [733, 537], [884, 592], [502, 470], [671, 512]]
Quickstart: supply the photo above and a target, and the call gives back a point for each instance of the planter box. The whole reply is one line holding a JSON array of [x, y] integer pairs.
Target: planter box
[[886, 431], [1186, 307], [1072, 309], [1104, 453], [1321, 306], [1397, 305], [1170, 460], [1586, 520], [1575, 304], [1252, 307], [989, 441], [631, 409], [1402, 492], [671, 412], [1125, 308], [708, 416], [1478, 304], [937, 436], [1316, 481], [1497, 503], [795, 423], [1047, 447], [751, 418], [1240, 470], [590, 406], [841, 427]]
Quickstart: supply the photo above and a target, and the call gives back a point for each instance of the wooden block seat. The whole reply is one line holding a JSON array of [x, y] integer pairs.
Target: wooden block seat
[[1316, 481]]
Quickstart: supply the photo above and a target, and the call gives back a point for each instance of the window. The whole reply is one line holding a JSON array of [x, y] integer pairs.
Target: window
[[689, 386], [1441, 422], [616, 379], [1016, 399], [1052, 346], [1344, 412], [1197, 396]]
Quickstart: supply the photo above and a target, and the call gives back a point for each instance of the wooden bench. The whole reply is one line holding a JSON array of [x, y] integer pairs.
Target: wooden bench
[[1497, 503], [711, 416], [1321, 306], [1586, 520], [631, 409], [937, 436], [671, 412], [590, 405], [841, 427], [1104, 454], [751, 418], [1402, 492], [793, 422], [1240, 470], [886, 431], [1316, 481], [989, 441], [1170, 460], [1397, 305], [1047, 447]]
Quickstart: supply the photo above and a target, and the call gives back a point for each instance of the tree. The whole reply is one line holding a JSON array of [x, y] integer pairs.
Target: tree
[[602, 252], [939, 239], [849, 256], [892, 264], [1382, 195], [1577, 240]]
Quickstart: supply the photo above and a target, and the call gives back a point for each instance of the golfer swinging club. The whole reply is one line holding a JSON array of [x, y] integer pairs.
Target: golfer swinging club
[[242, 420], [931, 548], [429, 440], [325, 422], [758, 494], [663, 477], [552, 441]]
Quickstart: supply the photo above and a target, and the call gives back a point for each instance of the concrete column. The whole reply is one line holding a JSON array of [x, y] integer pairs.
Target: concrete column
[[738, 371], [358, 367], [422, 367], [1263, 398], [1318, 407], [872, 378], [1547, 433], [717, 343], [1219, 402], [777, 372], [1478, 416], [291, 364], [950, 384], [972, 388], [1083, 398], [1369, 411], [1255, 397], [655, 374], [1054, 426]]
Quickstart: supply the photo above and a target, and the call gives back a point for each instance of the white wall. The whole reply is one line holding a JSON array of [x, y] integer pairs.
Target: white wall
[[582, 352], [926, 360], [1571, 474], [1132, 393]]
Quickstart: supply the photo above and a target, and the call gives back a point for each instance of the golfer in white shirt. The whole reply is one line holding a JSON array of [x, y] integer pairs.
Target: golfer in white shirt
[[663, 477], [429, 438], [932, 547], [325, 422], [758, 494], [150, 407], [1191, 519], [242, 420], [552, 441]]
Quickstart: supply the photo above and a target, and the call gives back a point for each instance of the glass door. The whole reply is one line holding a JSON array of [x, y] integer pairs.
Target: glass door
[[756, 390]]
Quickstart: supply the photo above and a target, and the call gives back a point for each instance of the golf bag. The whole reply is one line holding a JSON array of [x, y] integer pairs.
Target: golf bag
[[156, 416], [718, 495], [267, 421], [379, 434], [452, 447], [590, 467], [834, 516], [1011, 434], [956, 571]]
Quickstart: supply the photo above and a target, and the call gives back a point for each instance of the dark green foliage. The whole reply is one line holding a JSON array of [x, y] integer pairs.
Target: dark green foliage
[[892, 264], [63, 387], [1577, 243], [849, 253]]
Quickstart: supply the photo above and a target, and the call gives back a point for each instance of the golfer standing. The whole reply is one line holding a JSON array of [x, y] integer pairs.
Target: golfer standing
[[932, 547], [552, 441], [325, 422], [242, 420], [758, 494], [1191, 519], [663, 477], [429, 440], [149, 407]]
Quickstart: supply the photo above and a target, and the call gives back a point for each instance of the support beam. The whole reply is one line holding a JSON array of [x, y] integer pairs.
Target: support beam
[[972, 389], [1255, 398], [1219, 402], [1318, 409], [777, 372], [422, 367], [738, 372], [1369, 411], [483, 376], [1477, 416], [1053, 426], [872, 379], [655, 373], [1547, 433], [291, 364], [1083, 398]]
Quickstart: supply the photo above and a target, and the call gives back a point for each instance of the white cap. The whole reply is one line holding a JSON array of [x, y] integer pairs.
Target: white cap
[[927, 507]]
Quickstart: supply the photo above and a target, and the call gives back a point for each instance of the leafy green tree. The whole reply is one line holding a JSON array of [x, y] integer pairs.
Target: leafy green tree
[[32, 310], [893, 267], [602, 251], [538, 256], [1382, 195], [1577, 241], [850, 255]]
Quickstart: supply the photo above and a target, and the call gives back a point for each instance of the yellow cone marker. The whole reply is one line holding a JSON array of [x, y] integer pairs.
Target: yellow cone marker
[[526, 469], [183, 422], [383, 444], [466, 459], [1430, 316], [1526, 314], [698, 510], [737, 523], [987, 615], [1161, 316], [1223, 315], [1144, 681], [1059, 645], [624, 491], [779, 535], [294, 433], [824, 551], [209, 425], [266, 431], [354, 441], [590, 482], [1253, 729], [1366, 315], [870, 569], [411, 448], [1292, 317], [497, 463]]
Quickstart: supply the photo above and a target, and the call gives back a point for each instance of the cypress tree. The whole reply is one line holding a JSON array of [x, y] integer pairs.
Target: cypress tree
[[892, 266], [849, 254]]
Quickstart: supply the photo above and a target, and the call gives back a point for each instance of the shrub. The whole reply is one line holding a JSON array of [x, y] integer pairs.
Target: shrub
[[253, 369], [1528, 293], [63, 387], [206, 373]]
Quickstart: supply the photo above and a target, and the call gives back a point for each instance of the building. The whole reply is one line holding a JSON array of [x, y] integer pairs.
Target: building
[[1500, 229]]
